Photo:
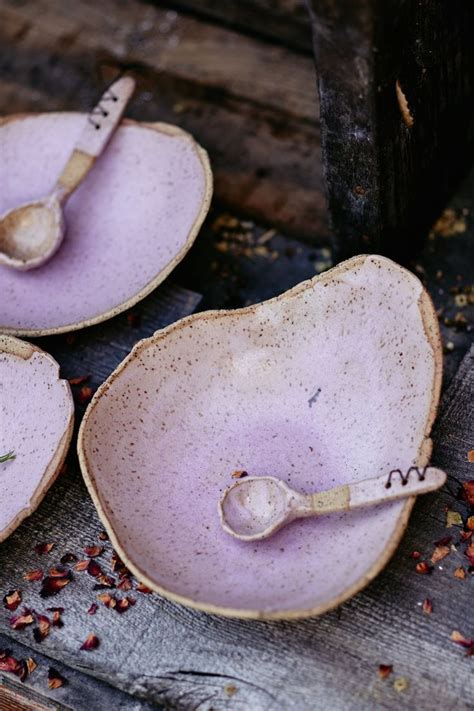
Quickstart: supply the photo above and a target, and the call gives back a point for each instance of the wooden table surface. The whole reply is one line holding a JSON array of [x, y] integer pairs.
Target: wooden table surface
[[263, 137]]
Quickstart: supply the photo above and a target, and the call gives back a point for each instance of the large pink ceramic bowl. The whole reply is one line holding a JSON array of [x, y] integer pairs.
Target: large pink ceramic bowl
[[335, 381], [130, 222]]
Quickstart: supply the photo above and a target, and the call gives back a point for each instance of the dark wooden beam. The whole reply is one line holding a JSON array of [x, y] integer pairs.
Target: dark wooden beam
[[396, 85]]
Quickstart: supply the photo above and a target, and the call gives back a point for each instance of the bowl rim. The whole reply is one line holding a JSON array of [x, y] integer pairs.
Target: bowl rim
[[14, 346], [432, 332], [159, 127]]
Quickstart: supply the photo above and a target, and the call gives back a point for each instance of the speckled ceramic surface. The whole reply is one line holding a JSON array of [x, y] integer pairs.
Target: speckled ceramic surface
[[334, 381], [128, 225], [36, 421]]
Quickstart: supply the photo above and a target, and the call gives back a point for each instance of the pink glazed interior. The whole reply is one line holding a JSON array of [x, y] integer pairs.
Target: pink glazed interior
[[222, 391], [129, 223]]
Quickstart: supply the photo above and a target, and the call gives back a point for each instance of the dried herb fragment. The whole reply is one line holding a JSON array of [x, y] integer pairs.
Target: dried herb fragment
[[239, 474], [42, 548], [427, 606], [453, 518], [8, 457], [92, 642], [460, 573], [423, 568], [93, 609], [68, 558], [53, 585], [55, 679], [439, 553], [19, 622], [33, 575], [385, 670], [12, 600], [93, 551]]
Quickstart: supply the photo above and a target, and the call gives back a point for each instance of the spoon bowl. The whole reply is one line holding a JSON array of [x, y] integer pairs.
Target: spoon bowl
[[31, 234]]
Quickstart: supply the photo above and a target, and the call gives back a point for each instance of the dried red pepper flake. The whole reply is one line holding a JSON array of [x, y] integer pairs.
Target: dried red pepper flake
[[12, 600], [42, 630], [19, 622], [82, 565], [459, 638], [79, 379], [443, 541], [103, 536], [239, 474], [141, 587], [460, 573], [439, 553], [42, 548], [94, 569], [55, 679], [427, 606], [84, 395], [416, 555], [33, 575], [52, 586], [93, 609], [125, 584], [423, 568], [68, 558], [93, 551], [385, 670], [92, 642], [468, 492]]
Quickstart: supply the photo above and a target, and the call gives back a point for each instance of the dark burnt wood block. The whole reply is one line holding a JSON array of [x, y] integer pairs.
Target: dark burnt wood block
[[396, 90]]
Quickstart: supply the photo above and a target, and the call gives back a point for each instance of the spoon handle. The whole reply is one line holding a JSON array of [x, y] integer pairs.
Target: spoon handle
[[378, 490], [101, 123]]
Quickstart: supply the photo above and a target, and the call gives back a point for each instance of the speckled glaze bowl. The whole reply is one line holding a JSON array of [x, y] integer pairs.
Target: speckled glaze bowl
[[128, 225], [334, 381], [36, 422]]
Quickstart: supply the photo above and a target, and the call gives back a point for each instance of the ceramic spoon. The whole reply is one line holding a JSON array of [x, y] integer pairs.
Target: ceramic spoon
[[31, 234], [256, 507]]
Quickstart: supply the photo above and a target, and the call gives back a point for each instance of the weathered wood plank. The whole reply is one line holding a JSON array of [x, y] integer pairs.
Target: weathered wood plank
[[165, 653], [395, 81], [263, 139]]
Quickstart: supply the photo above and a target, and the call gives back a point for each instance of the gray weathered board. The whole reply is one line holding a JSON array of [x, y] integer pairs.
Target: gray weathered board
[[165, 653]]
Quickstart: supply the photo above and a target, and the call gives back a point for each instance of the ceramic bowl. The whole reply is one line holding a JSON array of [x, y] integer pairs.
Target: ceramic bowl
[[335, 381], [128, 225], [36, 422]]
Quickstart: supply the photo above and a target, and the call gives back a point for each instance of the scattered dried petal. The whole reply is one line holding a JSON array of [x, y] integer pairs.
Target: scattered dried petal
[[92, 642], [385, 670], [12, 599], [470, 456], [470, 523], [9, 663], [84, 395], [104, 581], [415, 555], [439, 553], [460, 573], [470, 553], [51, 585], [94, 569], [42, 548], [33, 575], [230, 689], [19, 622], [423, 568], [103, 536], [82, 565], [141, 587], [453, 518], [55, 679], [465, 535], [78, 380], [459, 638], [93, 609], [93, 551], [468, 491], [122, 605], [427, 606], [400, 684], [125, 584], [43, 628], [239, 474], [31, 665], [68, 558], [57, 612], [444, 541], [58, 572]]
